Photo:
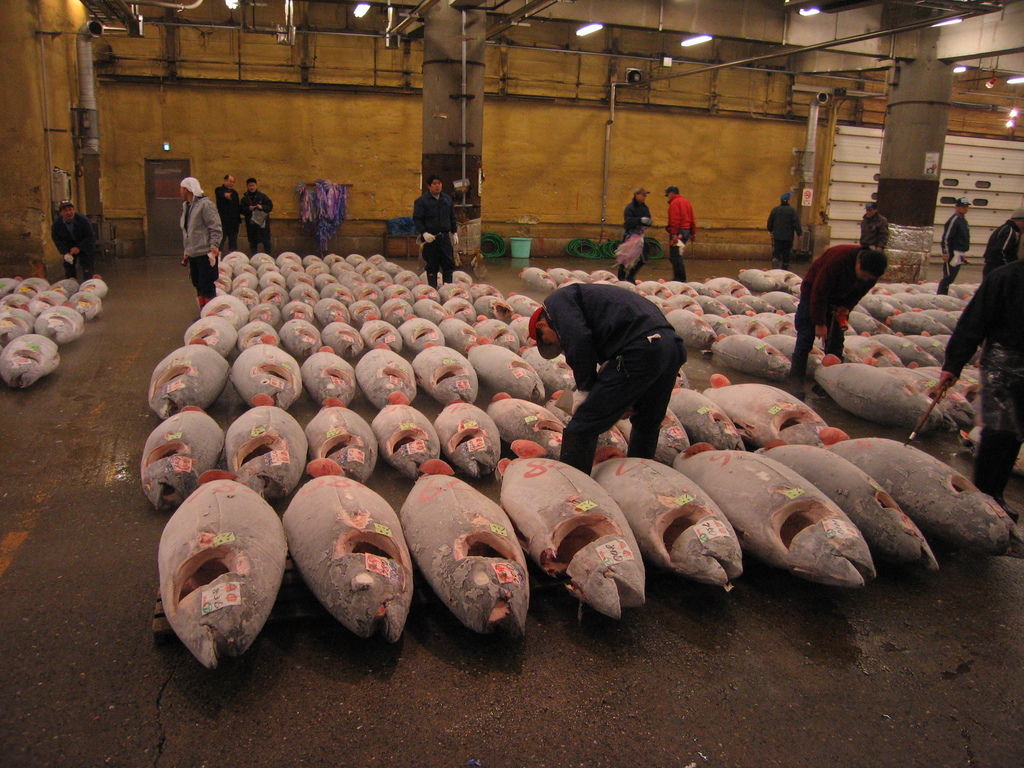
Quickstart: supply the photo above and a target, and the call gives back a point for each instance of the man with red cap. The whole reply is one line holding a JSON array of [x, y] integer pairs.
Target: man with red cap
[[625, 357]]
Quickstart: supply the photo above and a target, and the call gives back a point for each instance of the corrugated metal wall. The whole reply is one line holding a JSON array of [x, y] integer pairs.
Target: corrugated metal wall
[[987, 171]]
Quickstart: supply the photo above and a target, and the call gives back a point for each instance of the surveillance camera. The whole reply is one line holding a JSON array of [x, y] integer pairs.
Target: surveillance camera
[[634, 75], [822, 97]]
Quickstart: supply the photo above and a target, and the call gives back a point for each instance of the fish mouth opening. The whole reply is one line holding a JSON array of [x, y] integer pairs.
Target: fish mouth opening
[[548, 425], [791, 420], [369, 543], [448, 372], [796, 517], [256, 448], [464, 436], [421, 333], [571, 536], [201, 569], [406, 436], [484, 544], [165, 450], [338, 374], [959, 484], [678, 521], [162, 381], [398, 373]]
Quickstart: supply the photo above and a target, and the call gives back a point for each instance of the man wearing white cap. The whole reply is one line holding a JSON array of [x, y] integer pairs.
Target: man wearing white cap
[[200, 234], [956, 241]]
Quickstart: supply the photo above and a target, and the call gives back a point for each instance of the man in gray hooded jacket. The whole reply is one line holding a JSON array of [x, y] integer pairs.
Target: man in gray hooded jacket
[[200, 234]]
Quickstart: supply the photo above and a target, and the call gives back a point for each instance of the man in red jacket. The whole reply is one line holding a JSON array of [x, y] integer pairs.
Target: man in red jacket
[[836, 281], [682, 228]]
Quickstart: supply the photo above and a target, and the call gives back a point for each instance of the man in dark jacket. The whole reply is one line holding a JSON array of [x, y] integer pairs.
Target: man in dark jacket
[[784, 224], [836, 281], [72, 234], [994, 318], [433, 214], [639, 354], [874, 228], [1004, 244], [636, 218], [230, 210], [956, 241], [256, 208]]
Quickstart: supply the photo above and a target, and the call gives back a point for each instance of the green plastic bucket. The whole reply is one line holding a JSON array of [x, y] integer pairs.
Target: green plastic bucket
[[520, 247]]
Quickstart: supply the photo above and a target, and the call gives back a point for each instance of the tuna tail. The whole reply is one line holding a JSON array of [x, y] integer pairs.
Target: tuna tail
[[398, 398], [262, 399], [216, 474], [436, 467], [717, 381], [696, 448], [334, 402], [829, 360], [323, 467], [528, 449]]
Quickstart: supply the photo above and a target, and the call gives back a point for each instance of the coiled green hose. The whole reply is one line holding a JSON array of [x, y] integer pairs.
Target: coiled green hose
[[493, 246]]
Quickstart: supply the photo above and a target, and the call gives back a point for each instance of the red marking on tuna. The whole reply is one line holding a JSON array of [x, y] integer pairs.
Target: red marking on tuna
[[537, 469], [268, 339]]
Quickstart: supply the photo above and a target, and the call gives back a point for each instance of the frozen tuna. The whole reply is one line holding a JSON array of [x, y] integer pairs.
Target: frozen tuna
[[221, 560], [677, 526], [381, 373], [344, 340], [405, 437], [751, 355], [505, 371], [215, 332], [176, 455], [266, 449], [348, 545], [890, 534], [781, 518], [520, 420], [344, 437], [574, 530], [61, 324], [417, 334], [263, 369], [27, 359], [445, 375], [326, 376], [191, 375], [466, 548], [469, 438], [555, 374], [458, 334], [300, 338], [228, 307], [942, 502]]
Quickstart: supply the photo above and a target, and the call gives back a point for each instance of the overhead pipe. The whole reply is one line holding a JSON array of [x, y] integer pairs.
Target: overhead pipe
[[531, 8], [414, 17], [172, 6]]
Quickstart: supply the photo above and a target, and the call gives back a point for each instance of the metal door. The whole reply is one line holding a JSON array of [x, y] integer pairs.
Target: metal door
[[163, 205]]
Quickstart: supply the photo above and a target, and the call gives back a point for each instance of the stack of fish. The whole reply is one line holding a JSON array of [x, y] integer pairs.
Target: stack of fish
[[37, 317], [733, 473]]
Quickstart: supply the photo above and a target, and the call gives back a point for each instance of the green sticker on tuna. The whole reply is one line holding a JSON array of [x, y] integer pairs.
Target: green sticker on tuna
[[703, 409], [173, 436], [333, 432], [447, 361], [774, 409], [501, 530], [530, 418], [33, 347], [383, 530], [257, 431], [759, 347], [586, 506], [684, 499], [407, 425], [793, 493], [223, 538]]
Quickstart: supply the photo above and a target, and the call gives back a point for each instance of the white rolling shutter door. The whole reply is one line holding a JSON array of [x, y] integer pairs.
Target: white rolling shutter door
[[987, 171]]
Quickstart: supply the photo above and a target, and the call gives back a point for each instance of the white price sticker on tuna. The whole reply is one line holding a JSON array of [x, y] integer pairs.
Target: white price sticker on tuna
[[614, 552], [710, 529], [838, 528], [221, 596]]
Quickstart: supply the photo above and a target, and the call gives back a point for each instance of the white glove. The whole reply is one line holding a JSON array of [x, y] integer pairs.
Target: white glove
[[455, 239], [646, 221], [69, 258], [428, 238]]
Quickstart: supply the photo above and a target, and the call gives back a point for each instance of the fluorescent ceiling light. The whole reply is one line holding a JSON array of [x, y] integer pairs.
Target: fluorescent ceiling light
[[695, 40], [1015, 80], [947, 22], [588, 29], [231, 4], [959, 70], [1014, 112], [1010, 123], [810, 11], [361, 10]]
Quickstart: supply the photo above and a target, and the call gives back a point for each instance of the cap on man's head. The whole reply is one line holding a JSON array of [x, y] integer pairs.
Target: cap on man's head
[[250, 180], [1018, 214], [963, 201], [65, 204], [785, 197], [673, 190], [641, 191], [547, 351], [870, 206]]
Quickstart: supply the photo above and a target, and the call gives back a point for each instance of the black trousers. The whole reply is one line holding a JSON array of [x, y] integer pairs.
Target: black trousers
[[948, 276], [203, 276], [83, 258], [994, 461], [805, 340], [439, 257], [258, 236], [230, 240], [640, 377], [781, 250], [675, 256]]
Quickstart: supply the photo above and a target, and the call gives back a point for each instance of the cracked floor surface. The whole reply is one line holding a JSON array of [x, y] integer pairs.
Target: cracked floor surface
[[918, 669]]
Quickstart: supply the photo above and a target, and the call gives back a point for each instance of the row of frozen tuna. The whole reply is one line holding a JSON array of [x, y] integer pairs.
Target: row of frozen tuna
[[820, 514], [36, 317]]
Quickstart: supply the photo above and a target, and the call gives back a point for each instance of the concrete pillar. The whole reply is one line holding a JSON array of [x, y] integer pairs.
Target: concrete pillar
[[915, 133], [446, 130]]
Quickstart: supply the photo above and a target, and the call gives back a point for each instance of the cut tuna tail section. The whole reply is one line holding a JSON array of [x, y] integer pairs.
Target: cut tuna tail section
[[398, 398], [528, 449], [322, 467], [717, 381], [436, 467], [211, 475]]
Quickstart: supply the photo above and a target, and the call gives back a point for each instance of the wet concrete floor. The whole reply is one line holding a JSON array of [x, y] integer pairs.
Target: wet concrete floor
[[917, 669]]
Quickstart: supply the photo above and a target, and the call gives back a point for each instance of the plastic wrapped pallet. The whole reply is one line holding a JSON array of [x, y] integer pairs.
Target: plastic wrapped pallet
[[907, 252]]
